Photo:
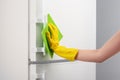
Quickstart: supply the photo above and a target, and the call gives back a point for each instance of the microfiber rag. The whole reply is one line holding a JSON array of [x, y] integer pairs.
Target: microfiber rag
[[47, 48]]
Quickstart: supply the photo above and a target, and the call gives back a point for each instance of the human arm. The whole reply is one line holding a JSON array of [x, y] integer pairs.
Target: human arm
[[110, 48]]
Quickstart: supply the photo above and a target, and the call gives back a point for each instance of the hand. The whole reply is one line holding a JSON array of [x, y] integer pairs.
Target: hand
[[52, 36]]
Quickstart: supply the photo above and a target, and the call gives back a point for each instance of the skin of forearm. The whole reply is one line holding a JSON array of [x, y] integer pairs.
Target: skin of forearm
[[110, 48], [87, 55]]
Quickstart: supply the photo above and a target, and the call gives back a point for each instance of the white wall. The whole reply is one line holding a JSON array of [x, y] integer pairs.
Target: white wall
[[13, 39], [77, 21], [108, 17]]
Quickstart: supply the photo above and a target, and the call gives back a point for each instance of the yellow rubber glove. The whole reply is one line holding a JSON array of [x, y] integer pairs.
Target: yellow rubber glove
[[52, 36]]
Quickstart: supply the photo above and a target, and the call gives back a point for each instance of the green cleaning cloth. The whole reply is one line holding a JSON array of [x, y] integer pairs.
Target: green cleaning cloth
[[47, 47]]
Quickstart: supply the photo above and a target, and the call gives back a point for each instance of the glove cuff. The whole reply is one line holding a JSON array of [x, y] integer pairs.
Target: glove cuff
[[68, 53]]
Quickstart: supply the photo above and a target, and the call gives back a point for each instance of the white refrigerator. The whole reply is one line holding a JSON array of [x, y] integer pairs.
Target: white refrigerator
[[77, 22]]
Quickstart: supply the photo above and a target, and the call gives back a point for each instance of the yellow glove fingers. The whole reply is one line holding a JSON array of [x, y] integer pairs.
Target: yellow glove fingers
[[53, 31], [54, 28], [53, 43], [48, 36], [51, 28]]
